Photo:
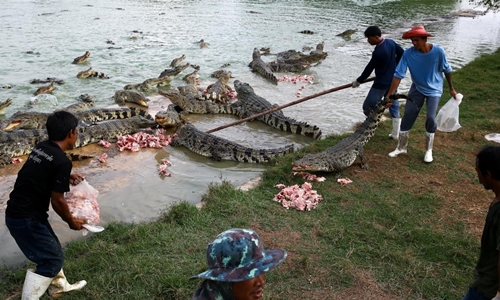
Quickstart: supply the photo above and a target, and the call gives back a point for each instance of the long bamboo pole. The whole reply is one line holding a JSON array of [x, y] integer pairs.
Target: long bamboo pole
[[287, 105]]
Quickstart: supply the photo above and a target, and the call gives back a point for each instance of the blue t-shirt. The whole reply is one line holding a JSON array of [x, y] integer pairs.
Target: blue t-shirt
[[426, 69], [385, 57]]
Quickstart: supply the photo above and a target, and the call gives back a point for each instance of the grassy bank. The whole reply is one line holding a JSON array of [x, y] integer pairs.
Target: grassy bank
[[402, 230]]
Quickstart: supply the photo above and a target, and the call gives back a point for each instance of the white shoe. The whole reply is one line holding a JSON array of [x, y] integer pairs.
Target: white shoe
[[402, 144], [429, 139], [60, 285], [396, 123], [34, 285]]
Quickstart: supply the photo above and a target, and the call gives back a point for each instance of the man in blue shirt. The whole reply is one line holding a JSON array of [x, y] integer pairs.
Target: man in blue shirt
[[385, 57], [427, 63]]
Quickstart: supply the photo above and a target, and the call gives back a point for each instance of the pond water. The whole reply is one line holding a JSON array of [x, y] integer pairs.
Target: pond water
[[146, 35]]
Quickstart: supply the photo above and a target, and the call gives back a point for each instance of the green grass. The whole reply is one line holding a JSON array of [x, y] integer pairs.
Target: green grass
[[391, 229]]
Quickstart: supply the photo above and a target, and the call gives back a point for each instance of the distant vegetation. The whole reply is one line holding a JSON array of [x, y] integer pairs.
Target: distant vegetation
[[489, 4]]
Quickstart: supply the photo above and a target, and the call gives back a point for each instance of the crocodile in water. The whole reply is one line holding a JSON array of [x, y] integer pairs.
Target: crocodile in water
[[344, 153], [81, 59], [260, 67], [217, 92], [91, 73], [4, 105], [195, 106], [251, 104], [131, 97], [217, 148], [20, 142], [46, 89]]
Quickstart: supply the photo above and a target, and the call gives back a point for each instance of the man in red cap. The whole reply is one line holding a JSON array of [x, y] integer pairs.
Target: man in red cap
[[427, 63]]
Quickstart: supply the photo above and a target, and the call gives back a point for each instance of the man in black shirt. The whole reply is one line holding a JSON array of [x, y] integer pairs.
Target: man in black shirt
[[44, 179], [486, 279]]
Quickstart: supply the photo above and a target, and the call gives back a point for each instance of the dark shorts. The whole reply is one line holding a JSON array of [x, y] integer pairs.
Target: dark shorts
[[39, 243]]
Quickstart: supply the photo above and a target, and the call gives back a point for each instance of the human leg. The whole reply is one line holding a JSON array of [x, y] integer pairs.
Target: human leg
[[472, 294], [410, 115], [372, 99], [396, 120], [430, 126], [46, 252], [34, 285]]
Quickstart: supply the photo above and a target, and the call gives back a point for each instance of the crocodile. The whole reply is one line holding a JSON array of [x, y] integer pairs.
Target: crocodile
[[217, 92], [191, 89], [47, 89], [260, 67], [48, 80], [91, 73], [37, 120], [81, 59], [250, 104], [203, 44], [177, 61], [169, 74], [169, 118], [217, 148], [277, 66], [195, 106], [123, 96], [20, 142], [347, 33], [344, 153], [298, 58], [149, 84], [4, 105]]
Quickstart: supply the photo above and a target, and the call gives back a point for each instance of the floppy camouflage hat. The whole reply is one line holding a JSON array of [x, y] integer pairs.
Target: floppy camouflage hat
[[238, 255]]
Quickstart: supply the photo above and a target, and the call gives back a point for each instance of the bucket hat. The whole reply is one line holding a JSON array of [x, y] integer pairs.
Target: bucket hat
[[238, 255], [416, 31]]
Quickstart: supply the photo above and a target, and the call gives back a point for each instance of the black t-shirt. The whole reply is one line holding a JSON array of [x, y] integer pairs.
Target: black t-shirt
[[486, 272], [47, 169]]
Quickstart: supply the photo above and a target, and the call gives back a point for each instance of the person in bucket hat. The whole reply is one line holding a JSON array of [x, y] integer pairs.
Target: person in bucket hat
[[427, 63], [237, 263]]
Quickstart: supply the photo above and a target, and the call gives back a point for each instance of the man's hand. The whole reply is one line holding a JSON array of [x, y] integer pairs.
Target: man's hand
[[77, 224], [454, 93], [75, 179], [355, 84]]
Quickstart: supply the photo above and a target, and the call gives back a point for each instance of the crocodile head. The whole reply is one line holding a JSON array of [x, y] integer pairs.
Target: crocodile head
[[317, 162], [130, 96], [177, 61], [143, 122], [242, 88], [168, 118], [4, 105], [86, 73], [255, 54], [191, 77]]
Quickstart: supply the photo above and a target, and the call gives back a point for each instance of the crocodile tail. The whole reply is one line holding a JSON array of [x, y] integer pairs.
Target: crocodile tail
[[290, 125], [267, 74], [134, 111], [99, 75], [265, 155], [77, 157]]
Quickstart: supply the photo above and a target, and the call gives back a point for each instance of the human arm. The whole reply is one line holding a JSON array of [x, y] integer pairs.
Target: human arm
[[61, 208], [453, 93], [75, 179]]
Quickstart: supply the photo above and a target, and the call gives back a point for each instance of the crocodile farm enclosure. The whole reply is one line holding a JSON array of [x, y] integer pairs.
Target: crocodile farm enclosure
[[124, 66]]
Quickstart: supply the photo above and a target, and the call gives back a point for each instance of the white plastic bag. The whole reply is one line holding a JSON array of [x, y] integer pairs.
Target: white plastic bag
[[447, 117], [82, 203]]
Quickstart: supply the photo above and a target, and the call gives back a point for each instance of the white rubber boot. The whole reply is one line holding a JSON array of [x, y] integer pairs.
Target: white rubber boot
[[396, 123], [429, 143], [60, 285], [402, 144], [34, 285]]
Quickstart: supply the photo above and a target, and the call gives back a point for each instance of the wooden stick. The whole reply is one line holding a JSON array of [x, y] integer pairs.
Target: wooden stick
[[287, 105]]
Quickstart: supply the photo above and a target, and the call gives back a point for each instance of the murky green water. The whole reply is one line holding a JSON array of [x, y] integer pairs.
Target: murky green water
[[147, 35]]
